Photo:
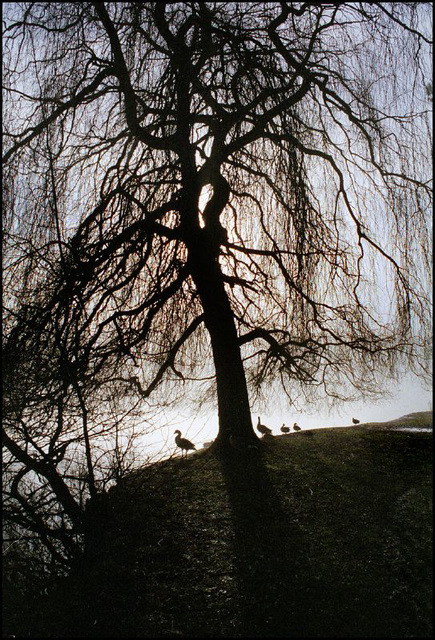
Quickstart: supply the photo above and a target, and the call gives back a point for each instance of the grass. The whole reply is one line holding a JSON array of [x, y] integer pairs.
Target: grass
[[322, 536]]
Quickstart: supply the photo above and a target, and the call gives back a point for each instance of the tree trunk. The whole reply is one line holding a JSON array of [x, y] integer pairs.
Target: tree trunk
[[232, 391]]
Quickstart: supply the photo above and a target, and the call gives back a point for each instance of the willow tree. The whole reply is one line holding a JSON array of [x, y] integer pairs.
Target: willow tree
[[245, 184]]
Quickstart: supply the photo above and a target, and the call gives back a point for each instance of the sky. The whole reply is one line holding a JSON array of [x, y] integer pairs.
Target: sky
[[411, 396]]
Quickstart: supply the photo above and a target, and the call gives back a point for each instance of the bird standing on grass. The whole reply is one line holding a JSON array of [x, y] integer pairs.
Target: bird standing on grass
[[183, 443], [296, 427], [262, 428], [355, 421], [285, 429]]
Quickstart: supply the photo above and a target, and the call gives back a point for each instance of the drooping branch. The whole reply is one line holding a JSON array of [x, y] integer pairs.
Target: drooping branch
[[169, 362], [48, 471], [32, 132], [123, 75]]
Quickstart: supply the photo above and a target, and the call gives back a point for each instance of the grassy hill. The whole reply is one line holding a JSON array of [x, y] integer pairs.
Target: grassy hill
[[321, 535]]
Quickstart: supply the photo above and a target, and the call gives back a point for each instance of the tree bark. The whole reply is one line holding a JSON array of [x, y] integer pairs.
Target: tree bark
[[232, 391]]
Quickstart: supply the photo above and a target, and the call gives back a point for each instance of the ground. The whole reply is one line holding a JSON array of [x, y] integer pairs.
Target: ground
[[322, 535]]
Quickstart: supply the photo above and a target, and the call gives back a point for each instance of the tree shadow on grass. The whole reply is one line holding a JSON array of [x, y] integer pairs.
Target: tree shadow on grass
[[134, 579], [337, 575], [272, 558]]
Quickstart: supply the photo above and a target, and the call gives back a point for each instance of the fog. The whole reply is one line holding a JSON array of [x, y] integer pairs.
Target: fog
[[411, 396]]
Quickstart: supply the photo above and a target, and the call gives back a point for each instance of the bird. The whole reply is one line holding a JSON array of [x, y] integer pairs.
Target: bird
[[285, 429], [183, 443], [355, 421], [296, 427], [262, 428]]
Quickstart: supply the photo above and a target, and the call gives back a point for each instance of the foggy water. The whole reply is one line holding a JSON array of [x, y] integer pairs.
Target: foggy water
[[422, 429], [409, 397]]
